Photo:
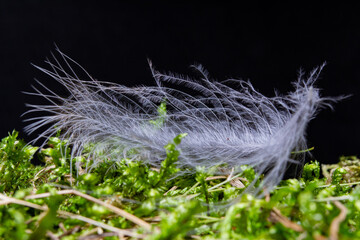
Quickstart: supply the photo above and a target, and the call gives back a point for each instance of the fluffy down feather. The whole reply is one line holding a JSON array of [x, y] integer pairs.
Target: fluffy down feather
[[227, 122]]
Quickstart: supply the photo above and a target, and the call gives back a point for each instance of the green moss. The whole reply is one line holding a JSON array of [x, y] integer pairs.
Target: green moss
[[194, 205]]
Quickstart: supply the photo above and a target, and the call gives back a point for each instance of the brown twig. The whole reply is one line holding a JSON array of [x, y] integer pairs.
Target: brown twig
[[267, 197], [276, 216], [52, 236], [153, 219], [215, 178], [70, 231], [62, 227], [171, 189], [112, 208], [10, 200], [335, 224]]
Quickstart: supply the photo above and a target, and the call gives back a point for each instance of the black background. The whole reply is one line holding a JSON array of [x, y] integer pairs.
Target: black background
[[267, 44]]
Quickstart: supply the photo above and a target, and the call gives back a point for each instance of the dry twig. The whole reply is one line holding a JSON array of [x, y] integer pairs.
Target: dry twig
[[276, 216], [171, 189], [335, 224], [112, 208], [10, 200]]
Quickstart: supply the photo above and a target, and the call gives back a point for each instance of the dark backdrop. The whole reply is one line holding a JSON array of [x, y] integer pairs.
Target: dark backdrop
[[267, 44]]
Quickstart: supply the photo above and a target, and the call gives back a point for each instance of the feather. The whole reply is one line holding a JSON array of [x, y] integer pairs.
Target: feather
[[227, 122]]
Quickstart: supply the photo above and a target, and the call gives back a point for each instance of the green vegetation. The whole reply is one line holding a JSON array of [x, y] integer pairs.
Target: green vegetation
[[131, 200]]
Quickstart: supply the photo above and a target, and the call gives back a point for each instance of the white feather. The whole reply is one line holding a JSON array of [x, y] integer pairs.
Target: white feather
[[225, 125]]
